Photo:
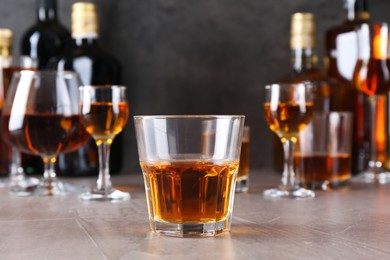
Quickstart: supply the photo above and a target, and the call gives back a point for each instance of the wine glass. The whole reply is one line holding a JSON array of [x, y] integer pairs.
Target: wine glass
[[371, 77], [18, 183], [41, 117], [104, 112], [288, 109]]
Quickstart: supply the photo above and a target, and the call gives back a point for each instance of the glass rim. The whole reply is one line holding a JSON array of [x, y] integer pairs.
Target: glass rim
[[289, 85], [103, 86], [341, 113], [188, 116], [45, 72]]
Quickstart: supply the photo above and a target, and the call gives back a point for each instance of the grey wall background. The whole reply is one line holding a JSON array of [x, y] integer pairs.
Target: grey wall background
[[197, 56]]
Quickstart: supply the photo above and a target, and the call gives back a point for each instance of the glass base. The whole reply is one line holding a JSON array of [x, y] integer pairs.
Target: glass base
[[242, 185], [20, 185], [324, 185], [210, 229], [112, 195], [382, 177], [25, 186], [298, 193], [54, 187]]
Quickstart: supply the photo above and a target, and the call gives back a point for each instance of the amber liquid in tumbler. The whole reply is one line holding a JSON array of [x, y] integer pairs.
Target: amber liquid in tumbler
[[315, 170], [45, 134], [286, 120], [190, 191], [104, 120]]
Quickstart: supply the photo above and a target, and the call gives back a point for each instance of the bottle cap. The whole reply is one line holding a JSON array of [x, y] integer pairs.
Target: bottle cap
[[5, 37], [46, 4], [302, 31], [84, 20]]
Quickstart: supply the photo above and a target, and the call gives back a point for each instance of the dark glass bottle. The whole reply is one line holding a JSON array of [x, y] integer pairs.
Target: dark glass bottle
[[341, 55], [95, 67], [304, 63], [47, 38]]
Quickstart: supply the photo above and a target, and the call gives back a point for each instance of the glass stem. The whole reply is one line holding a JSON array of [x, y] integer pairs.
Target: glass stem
[[16, 171], [288, 179], [49, 163], [373, 163], [104, 181]]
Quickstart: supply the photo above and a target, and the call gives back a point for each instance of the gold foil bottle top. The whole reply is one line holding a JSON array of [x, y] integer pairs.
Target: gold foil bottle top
[[84, 20], [5, 41], [302, 31]]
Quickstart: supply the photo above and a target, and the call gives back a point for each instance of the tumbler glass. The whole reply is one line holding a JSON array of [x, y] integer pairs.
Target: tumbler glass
[[190, 167], [323, 158]]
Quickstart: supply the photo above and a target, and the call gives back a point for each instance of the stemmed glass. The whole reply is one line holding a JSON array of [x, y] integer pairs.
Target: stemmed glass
[[104, 112], [17, 182], [288, 109], [41, 117], [371, 77]]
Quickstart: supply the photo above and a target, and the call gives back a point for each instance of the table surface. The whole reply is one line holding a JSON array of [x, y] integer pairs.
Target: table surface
[[352, 223]]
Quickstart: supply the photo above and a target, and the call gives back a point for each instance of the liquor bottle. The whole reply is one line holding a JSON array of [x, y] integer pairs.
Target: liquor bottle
[[95, 67], [47, 38], [341, 55], [304, 63], [372, 78], [5, 61]]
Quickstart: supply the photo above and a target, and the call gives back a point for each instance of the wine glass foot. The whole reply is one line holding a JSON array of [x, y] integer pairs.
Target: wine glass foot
[[377, 175], [98, 195], [298, 193], [25, 186], [54, 187]]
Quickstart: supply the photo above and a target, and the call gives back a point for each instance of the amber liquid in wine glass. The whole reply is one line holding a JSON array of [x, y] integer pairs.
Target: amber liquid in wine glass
[[288, 109], [104, 114]]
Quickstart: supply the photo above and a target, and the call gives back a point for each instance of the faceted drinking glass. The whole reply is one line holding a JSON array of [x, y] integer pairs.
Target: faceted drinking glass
[[190, 166]]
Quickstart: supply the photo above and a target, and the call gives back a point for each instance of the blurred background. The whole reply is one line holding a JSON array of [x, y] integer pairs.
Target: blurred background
[[197, 57]]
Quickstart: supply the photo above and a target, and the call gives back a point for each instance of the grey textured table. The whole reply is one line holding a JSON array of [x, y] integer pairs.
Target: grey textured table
[[353, 223]]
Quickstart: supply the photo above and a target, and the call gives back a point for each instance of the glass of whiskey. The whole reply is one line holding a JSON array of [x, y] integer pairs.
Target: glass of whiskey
[[190, 166]]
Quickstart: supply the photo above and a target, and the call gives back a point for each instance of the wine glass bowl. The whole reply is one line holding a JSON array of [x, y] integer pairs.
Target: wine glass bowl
[[41, 117], [288, 110], [104, 113]]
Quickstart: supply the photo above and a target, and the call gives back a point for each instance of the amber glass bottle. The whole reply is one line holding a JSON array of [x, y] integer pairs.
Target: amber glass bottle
[[372, 79], [5, 61], [341, 55], [95, 67], [304, 63]]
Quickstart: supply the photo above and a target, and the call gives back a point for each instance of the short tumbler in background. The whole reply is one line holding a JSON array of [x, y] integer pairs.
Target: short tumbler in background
[[323, 157]]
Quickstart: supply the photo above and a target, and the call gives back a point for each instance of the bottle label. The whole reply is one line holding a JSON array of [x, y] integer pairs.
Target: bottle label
[[346, 54]]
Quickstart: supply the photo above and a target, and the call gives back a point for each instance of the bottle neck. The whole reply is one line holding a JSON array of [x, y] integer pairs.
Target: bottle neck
[[357, 10], [46, 10], [379, 42], [303, 59], [90, 41]]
